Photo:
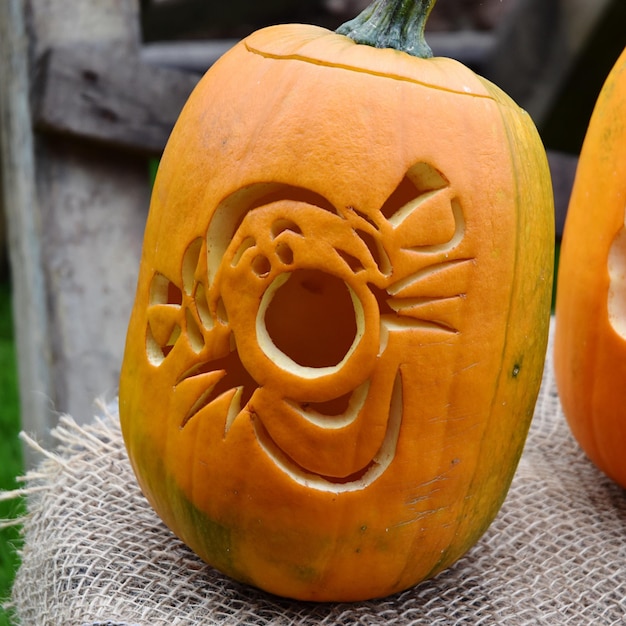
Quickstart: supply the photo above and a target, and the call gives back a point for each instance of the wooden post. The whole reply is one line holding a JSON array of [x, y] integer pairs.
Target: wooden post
[[93, 206], [23, 222]]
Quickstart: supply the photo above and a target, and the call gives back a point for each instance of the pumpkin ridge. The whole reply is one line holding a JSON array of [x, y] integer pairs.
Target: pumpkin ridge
[[521, 408]]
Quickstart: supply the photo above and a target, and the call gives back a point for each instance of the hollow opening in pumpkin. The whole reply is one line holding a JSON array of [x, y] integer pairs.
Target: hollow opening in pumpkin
[[420, 180], [617, 292], [311, 318]]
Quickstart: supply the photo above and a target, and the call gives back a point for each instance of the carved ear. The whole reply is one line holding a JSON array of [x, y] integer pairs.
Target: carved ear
[[420, 180], [423, 213], [426, 218]]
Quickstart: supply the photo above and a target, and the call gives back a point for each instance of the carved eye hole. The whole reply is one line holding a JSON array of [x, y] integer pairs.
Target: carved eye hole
[[261, 265]]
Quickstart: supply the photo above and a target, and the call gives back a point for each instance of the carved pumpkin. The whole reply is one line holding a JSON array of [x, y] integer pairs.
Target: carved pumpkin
[[590, 336], [341, 316]]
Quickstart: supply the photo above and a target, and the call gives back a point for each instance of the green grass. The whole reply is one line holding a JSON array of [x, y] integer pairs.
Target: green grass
[[10, 447]]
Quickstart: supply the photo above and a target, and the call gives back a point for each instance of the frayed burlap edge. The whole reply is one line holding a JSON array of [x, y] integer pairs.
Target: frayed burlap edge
[[96, 554]]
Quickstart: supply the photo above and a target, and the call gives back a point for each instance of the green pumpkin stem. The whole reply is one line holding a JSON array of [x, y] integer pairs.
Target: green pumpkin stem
[[397, 24]]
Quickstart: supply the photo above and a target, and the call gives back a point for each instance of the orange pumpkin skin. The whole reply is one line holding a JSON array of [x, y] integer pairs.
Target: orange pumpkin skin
[[373, 411], [590, 336]]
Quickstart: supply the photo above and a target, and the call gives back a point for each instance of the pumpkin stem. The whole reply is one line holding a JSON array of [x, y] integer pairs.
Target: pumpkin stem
[[397, 24]]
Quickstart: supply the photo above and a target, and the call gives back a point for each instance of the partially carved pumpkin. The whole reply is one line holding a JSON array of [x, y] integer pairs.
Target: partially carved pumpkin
[[341, 316], [590, 337]]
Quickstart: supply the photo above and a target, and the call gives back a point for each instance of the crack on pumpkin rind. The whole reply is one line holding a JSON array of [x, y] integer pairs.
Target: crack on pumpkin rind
[[362, 70]]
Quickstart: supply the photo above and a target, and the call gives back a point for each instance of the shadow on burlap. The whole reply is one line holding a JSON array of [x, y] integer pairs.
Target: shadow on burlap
[[95, 553]]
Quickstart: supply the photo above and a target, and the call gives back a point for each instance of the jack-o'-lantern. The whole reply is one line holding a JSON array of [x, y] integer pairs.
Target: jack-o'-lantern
[[342, 310], [590, 334]]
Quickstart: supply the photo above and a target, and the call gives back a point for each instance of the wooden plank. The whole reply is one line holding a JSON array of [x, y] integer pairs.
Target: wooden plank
[[112, 23], [23, 224], [191, 56], [108, 96], [199, 18], [542, 60], [94, 207], [565, 123], [468, 46]]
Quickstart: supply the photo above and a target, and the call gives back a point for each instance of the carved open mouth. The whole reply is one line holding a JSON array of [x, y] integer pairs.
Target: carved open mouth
[[310, 321]]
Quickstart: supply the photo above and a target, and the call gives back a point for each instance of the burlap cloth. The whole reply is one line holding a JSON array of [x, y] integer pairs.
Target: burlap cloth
[[96, 554]]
